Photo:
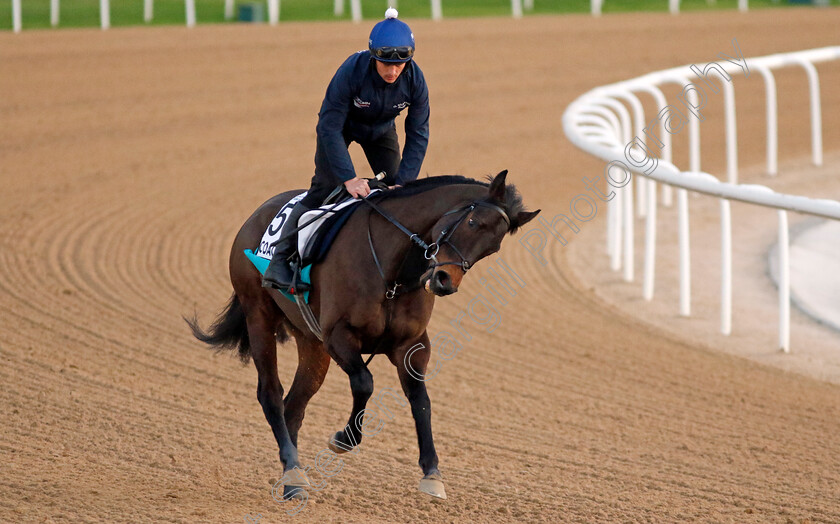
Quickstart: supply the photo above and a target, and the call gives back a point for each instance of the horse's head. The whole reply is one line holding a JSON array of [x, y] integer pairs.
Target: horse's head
[[465, 235]]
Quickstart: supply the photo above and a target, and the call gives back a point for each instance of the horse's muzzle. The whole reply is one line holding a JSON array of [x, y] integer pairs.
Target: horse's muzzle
[[441, 284]]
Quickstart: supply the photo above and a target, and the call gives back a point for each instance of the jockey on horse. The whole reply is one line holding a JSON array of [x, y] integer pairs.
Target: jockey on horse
[[364, 97]]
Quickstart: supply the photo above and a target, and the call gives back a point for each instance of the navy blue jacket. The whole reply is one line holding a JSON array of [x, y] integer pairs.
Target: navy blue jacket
[[361, 106]]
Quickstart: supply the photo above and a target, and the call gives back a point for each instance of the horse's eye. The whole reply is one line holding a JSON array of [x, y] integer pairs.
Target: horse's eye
[[472, 223]]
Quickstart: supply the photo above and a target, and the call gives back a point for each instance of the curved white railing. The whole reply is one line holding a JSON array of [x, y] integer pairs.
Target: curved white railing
[[599, 123]]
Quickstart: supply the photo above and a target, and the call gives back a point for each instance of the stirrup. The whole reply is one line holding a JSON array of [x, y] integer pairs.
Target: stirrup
[[298, 286]]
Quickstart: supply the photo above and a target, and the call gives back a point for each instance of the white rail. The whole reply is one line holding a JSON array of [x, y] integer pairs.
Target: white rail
[[189, 9], [599, 123], [105, 14], [16, 16], [518, 7], [148, 12], [673, 6]]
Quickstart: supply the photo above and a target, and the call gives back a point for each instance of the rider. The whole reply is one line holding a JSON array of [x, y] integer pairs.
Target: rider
[[364, 97]]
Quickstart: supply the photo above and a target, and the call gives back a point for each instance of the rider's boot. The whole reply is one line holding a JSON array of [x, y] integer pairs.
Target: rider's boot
[[279, 273]]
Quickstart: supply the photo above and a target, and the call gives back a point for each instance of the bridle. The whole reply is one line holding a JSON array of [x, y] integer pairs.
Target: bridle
[[446, 233], [430, 251]]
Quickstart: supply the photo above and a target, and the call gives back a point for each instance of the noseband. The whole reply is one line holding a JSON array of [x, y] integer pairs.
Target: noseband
[[430, 251]]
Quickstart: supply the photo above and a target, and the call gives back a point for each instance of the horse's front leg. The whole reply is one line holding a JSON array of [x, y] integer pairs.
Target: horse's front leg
[[411, 362]]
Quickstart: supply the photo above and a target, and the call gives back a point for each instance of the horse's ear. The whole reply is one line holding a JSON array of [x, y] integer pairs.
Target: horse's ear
[[497, 187], [523, 217]]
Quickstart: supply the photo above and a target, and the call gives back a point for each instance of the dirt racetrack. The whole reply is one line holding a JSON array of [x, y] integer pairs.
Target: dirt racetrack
[[129, 159]]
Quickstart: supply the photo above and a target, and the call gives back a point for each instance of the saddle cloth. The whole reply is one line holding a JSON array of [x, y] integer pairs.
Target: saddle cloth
[[315, 239]]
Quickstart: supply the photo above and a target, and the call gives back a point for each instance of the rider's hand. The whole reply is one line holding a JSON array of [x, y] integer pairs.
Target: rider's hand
[[357, 187]]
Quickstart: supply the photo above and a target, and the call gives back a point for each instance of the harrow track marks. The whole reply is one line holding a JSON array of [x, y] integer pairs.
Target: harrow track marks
[[131, 157]]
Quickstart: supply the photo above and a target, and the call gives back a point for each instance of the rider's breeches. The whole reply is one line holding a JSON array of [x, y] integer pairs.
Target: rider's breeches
[[383, 154]]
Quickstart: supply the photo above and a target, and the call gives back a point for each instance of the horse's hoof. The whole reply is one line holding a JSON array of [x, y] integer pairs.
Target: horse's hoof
[[336, 445], [432, 484], [294, 484], [295, 477], [293, 492]]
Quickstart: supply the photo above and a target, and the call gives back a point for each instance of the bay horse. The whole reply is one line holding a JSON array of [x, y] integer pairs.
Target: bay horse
[[373, 293]]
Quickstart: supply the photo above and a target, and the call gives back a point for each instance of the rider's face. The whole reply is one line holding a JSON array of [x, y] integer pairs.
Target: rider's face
[[389, 72]]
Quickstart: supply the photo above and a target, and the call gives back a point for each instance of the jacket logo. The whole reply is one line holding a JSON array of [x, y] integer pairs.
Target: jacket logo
[[361, 104], [402, 105]]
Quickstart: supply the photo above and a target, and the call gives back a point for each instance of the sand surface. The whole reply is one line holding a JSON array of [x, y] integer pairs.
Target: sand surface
[[129, 159]]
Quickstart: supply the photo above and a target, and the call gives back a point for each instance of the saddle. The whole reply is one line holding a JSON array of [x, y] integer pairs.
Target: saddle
[[321, 227]]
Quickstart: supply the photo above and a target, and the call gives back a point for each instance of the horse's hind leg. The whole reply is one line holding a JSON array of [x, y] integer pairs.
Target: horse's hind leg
[[313, 363], [270, 394], [345, 348]]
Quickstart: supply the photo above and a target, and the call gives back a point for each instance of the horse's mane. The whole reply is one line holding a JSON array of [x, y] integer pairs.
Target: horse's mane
[[512, 203], [421, 185]]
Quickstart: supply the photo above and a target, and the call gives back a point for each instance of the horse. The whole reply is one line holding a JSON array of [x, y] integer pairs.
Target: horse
[[369, 298]]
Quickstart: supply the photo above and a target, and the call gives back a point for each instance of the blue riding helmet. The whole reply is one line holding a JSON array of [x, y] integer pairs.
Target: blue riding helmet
[[391, 40]]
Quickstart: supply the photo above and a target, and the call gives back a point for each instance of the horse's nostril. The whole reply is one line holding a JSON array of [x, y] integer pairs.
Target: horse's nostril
[[441, 278]]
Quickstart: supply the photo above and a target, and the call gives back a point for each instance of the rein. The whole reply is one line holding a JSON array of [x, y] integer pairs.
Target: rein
[[430, 251]]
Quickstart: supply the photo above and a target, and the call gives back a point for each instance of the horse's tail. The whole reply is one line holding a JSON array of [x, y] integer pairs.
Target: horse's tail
[[228, 331]]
